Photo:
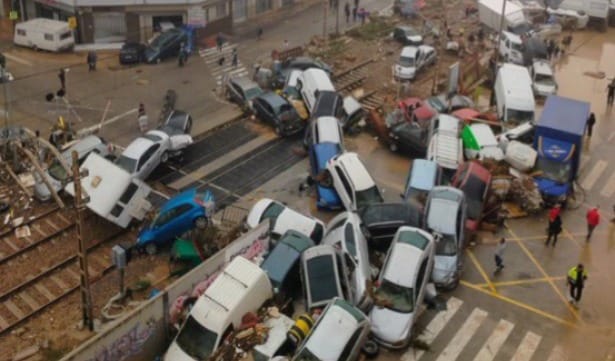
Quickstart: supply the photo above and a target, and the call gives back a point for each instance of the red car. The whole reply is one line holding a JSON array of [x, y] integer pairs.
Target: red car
[[468, 114], [474, 181], [415, 109]]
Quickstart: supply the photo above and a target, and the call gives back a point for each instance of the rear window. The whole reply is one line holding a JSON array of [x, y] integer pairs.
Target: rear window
[[65, 35], [413, 238], [272, 212], [129, 193], [321, 278]]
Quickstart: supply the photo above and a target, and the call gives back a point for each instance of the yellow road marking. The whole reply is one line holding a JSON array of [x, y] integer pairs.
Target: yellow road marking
[[521, 305], [568, 234], [521, 282], [481, 271], [571, 236], [544, 273]]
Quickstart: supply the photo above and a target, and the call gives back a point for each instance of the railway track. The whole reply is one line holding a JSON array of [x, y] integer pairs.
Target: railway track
[[350, 79], [51, 285], [7, 230]]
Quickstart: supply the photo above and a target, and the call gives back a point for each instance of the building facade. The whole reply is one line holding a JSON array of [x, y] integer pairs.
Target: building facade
[[111, 21]]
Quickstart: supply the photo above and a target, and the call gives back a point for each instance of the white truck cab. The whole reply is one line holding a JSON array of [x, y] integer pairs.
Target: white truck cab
[[543, 80], [511, 47], [513, 93]]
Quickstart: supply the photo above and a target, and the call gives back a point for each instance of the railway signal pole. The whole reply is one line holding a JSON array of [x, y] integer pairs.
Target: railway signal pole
[[84, 286]]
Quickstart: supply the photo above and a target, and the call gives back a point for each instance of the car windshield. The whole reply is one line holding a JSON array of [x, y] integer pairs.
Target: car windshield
[[252, 93], [406, 61], [517, 46], [306, 355], [154, 138], [545, 78], [272, 212], [520, 116], [127, 163], [57, 172], [437, 104], [369, 196], [321, 278], [446, 246], [196, 340], [555, 171], [395, 297]]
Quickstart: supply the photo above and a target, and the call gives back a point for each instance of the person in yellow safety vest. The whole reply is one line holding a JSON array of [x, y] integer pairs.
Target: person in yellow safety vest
[[576, 281]]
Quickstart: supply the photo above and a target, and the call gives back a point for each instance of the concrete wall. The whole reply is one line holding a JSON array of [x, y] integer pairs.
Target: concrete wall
[[142, 333]]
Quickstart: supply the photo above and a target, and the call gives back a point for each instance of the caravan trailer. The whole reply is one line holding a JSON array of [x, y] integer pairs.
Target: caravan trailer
[[44, 34]]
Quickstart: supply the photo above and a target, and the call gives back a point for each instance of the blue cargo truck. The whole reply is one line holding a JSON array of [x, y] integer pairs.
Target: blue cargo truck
[[559, 142]]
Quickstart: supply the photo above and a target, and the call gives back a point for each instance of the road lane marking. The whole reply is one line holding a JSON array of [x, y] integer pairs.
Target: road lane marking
[[594, 174], [433, 329], [481, 270], [528, 346], [521, 282], [17, 59], [572, 237], [463, 336], [544, 274], [520, 304], [495, 341], [99, 126], [608, 190], [558, 354]]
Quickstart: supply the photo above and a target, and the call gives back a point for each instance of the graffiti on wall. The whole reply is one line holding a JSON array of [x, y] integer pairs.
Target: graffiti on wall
[[129, 344]]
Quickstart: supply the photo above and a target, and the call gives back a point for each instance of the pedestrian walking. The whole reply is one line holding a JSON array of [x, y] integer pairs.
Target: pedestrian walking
[[142, 119], [62, 77], [550, 49], [354, 13], [613, 219], [221, 60], [347, 12], [556, 51], [286, 44], [356, 4], [590, 124], [554, 212], [611, 92], [576, 281], [593, 219], [362, 15], [259, 34], [92, 57], [234, 59], [555, 228], [499, 254], [566, 42], [219, 41]]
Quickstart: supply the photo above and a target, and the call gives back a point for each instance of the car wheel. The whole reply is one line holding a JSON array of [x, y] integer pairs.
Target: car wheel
[[200, 223], [151, 249], [393, 147], [164, 157], [371, 349]]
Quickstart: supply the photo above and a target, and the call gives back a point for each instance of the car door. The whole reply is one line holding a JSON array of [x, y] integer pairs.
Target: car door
[[268, 115], [347, 195], [148, 161], [175, 222]]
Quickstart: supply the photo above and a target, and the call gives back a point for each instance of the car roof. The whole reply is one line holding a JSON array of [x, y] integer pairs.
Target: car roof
[[186, 196], [84, 145], [361, 178], [399, 269], [424, 174], [137, 147], [244, 82], [409, 51], [542, 67], [484, 133], [442, 215], [477, 169], [448, 122], [273, 99], [328, 129]]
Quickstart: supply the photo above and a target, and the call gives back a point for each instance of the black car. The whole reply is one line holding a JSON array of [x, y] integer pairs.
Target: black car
[[242, 90], [409, 137], [380, 221], [132, 53], [165, 45], [440, 103], [304, 63], [177, 122], [534, 48], [407, 35], [277, 111]]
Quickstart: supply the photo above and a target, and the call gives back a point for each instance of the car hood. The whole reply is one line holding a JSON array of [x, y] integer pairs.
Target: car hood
[[175, 353], [444, 268], [545, 88], [390, 326]]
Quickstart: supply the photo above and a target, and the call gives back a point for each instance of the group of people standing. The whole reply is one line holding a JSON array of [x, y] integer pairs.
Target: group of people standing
[[356, 12]]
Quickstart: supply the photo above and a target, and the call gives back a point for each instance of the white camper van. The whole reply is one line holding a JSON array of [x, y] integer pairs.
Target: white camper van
[[240, 288], [514, 97], [114, 193], [310, 83], [44, 34]]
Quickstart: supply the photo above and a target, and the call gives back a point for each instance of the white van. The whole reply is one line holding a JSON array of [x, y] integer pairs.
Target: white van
[[45, 34], [514, 97], [480, 142], [445, 146], [240, 288], [511, 47], [310, 83], [114, 193]]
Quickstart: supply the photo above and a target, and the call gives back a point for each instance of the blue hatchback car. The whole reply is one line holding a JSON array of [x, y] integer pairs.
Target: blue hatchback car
[[320, 154], [178, 215]]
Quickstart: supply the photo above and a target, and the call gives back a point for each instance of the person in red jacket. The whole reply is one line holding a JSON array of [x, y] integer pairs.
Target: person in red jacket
[[593, 219]]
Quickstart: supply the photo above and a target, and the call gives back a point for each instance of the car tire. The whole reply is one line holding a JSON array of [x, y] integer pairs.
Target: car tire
[[151, 249], [371, 349], [164, 157], [393, 147], [200, 223]]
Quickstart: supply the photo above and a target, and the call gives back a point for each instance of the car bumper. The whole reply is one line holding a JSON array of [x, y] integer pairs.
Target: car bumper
[[391, 345]]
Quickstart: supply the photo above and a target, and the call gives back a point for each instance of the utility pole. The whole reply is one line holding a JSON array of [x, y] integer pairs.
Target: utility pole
[[5, 83], [84, 287], [442, 38], [497, 44], [337, 17]]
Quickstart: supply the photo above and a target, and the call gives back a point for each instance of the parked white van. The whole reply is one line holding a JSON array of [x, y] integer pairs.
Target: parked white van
[[514, 97], [240, 288], [310, 83], [511, 47], [44, 34]]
